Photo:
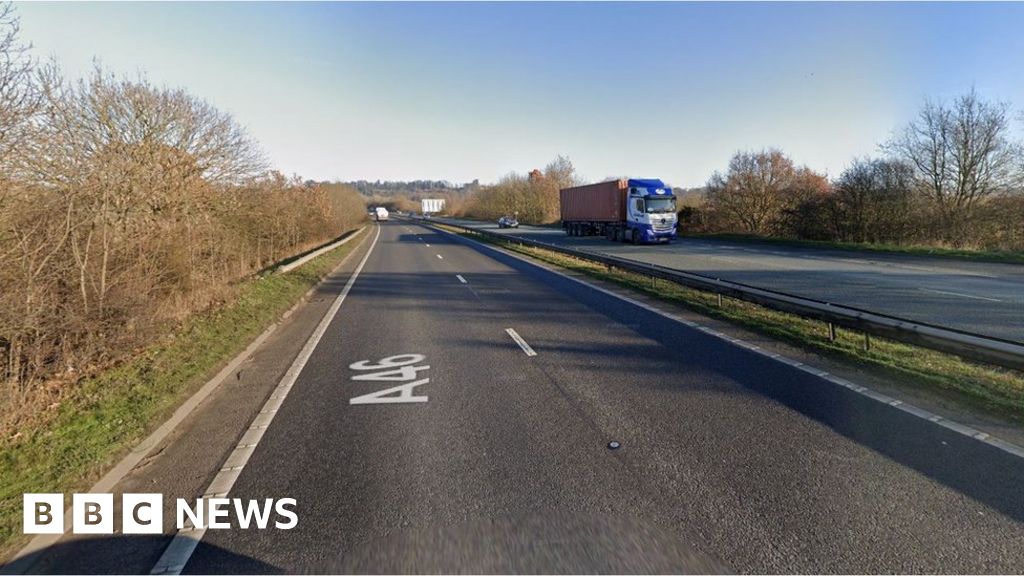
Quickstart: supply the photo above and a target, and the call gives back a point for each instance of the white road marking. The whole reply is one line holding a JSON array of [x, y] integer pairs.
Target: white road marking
[[461, 279], [185, 541], [23, 560], [972, 297], [428, 245], [401, 394], [1003, 445], [394, 370], [439, 257], [522, 343]]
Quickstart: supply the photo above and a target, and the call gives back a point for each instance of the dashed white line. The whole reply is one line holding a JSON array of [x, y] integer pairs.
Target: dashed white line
[[522, 343], [428, 245], [461, 279], [185, 541], [439, 257], [971, 296]]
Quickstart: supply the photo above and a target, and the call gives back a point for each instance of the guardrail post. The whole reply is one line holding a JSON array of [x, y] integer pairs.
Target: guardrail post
[[867, 342], [719, 294], [831, 332]]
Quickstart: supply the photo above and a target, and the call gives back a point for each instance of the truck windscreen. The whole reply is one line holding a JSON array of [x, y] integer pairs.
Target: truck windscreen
[[661, 205]]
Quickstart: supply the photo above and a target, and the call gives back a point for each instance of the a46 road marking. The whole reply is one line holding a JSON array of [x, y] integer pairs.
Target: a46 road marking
[[398, 368]]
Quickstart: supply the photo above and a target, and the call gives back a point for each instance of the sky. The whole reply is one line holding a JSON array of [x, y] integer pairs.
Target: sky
[[475, 90]]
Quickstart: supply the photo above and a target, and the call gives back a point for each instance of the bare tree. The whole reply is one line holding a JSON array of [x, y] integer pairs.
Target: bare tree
[[961, 153], [753, 192], [18, 98], [874, 200], [534, 197], [131, 206]]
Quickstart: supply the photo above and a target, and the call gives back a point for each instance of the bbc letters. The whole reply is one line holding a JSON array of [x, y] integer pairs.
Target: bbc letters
[[143, 514]]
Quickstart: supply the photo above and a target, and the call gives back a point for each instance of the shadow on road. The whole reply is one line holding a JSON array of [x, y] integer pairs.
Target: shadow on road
[[987, 474], [124, 554]]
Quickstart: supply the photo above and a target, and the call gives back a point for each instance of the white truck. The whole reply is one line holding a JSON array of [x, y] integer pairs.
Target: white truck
[[381, 214], [431, 205]]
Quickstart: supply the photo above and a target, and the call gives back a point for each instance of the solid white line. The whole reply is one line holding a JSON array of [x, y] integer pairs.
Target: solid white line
[[522, 343], [22, 561], [439, 257], [960, 295], [185, 541], [461, 279]]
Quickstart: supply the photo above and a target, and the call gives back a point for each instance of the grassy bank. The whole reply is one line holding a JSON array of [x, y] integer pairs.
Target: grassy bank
[[109, 413], [951, 253], [985, 387]]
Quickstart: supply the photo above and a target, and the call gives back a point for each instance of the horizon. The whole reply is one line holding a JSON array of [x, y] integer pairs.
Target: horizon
[[458, 92]]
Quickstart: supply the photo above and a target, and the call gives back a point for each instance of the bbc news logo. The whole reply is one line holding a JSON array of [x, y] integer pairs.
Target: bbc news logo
[[143, 513]]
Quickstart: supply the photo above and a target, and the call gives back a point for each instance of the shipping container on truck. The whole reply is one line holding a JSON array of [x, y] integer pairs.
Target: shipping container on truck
[[639, 210]]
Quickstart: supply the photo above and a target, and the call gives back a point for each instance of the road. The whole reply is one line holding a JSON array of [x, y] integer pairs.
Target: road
[[728, 460], [979, 297]]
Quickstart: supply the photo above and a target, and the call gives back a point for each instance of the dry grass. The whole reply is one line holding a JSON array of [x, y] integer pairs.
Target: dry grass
[[94, 422]]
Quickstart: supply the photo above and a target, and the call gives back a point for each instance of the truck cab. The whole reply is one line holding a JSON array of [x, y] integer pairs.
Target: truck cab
[[650, 212]]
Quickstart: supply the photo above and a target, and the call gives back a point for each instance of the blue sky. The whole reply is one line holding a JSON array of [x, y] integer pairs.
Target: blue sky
[[464, 91]]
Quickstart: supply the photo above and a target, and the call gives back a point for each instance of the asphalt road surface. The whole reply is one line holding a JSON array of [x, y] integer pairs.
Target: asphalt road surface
[[979, 297], [517, 381]]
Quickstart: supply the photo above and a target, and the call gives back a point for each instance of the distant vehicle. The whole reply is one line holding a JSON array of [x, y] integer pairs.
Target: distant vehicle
[[431, 205], [508, 222], [381, 214], [640, 211]]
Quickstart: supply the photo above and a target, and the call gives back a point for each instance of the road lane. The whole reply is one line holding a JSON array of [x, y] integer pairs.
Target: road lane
[[728, 459], [469, 459], [979, 297]]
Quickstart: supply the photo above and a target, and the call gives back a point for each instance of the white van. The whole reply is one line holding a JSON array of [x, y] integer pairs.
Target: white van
[[382, 213]]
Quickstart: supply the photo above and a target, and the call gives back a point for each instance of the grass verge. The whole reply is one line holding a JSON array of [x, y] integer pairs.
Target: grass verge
[[997, 256], [989, 388], [109, 413]]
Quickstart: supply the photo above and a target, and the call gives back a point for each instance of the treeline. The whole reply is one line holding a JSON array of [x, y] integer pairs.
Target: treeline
[[413, 189], [533, 197], [125, 207], [405, 196], [454, 202], [954, 176]]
